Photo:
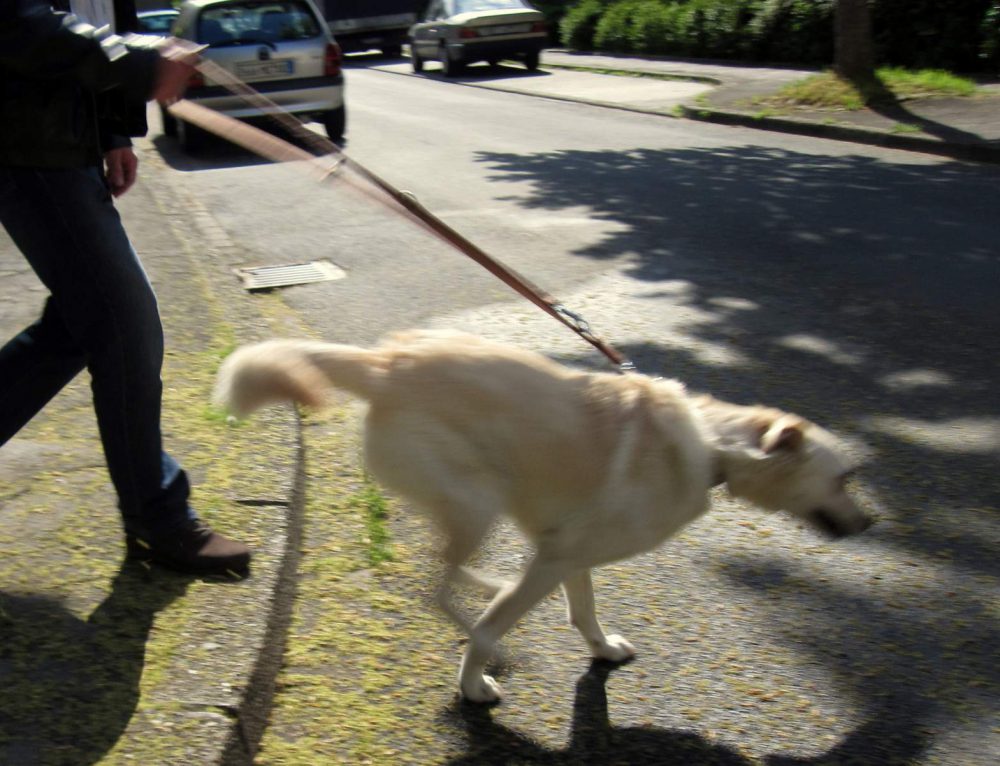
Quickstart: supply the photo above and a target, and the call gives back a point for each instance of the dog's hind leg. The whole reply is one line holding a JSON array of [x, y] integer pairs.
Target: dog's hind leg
[[441, 482], [579, 592], [486, 583], [465, 531], [541, 577]]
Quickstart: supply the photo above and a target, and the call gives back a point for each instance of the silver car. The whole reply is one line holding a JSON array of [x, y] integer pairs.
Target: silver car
[[282, 48], [459, 32]]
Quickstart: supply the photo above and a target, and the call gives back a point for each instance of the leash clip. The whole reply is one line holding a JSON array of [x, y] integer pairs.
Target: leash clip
[[626, 367], [578, 323]]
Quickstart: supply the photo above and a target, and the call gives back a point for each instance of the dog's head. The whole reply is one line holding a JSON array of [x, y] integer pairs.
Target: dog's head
[[797, 467]]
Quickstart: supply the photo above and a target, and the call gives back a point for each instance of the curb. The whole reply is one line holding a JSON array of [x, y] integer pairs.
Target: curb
[[254, 709], [247, 719], [972, 152], [676, 77], [959, 151]]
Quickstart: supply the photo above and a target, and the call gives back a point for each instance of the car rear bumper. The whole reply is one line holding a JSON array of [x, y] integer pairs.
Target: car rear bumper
[[301, 96], [479, 50], [363, 41]]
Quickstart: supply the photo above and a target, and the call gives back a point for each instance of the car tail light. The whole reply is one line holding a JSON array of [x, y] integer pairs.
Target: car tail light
[[539, 26], [467, 32], [331, 60]]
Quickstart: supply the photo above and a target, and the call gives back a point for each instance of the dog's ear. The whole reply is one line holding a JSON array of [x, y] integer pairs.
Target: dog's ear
[[785, 433]]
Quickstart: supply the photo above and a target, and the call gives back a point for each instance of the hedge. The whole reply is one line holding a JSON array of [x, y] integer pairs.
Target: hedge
[[961, 35]]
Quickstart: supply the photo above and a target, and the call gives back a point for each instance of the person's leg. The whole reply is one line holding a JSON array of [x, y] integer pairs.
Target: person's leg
[[35, 365], [65, 223], [67, 228]]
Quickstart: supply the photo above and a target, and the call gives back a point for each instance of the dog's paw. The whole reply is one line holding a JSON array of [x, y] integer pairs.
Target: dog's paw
[[614, 649], [483, 690]]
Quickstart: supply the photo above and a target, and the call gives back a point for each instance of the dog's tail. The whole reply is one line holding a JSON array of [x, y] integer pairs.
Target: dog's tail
[[301, 371]]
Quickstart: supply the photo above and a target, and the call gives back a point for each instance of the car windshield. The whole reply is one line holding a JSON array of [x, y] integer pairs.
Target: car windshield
[[256, 22], [473, 6]]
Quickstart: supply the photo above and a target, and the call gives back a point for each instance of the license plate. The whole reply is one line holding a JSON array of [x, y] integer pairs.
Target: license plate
[[257, 70], [508, 29]]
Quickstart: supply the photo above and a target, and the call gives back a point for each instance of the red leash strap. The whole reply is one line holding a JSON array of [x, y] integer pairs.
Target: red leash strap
[[327, 160]]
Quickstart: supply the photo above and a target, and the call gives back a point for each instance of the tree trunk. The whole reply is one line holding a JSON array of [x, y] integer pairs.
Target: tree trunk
[[854, 50]]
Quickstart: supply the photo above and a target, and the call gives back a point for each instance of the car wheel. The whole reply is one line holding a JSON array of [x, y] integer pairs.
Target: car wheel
[[415, 61], [451, 67], [191, 137], [531, 60], [335, 123], [169, 123]]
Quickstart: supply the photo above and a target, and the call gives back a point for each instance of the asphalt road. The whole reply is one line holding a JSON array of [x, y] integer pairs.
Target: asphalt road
[[854, 285]]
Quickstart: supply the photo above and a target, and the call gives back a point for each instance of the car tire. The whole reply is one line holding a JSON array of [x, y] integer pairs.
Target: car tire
[[531, 59], [415, 61], [169, 123], [451, 67], [335, 123], [191, 137]]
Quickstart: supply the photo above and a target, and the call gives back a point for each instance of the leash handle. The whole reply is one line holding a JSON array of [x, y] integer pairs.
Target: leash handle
[[326, 160]]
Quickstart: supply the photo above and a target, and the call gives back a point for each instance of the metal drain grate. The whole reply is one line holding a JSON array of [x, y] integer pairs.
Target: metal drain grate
[[268, 277]]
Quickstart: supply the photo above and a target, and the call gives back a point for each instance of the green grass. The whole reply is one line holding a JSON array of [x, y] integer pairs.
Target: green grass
[[372, 502], [905, 83], [828, 91]]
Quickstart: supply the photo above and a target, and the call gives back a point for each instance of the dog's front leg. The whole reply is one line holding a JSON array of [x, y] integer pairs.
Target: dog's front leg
[[541, 577], [579, 592]]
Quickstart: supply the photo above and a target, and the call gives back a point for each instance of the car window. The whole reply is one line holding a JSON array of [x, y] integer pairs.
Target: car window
[[159, 23], [472, 6], [235, 23]]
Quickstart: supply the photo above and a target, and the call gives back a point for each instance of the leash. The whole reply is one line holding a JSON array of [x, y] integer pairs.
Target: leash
[[325, 161]]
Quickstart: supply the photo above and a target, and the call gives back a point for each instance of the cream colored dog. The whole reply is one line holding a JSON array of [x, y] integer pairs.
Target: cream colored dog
[[593, 467]]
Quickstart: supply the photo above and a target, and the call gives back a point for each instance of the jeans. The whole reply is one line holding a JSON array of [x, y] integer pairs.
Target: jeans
[[101, 315]]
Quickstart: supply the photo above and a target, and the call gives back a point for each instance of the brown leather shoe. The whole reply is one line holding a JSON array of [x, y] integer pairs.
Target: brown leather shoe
[[192, 549]]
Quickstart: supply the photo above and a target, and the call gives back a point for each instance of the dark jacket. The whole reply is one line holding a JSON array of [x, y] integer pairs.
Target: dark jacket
[[69, 92]]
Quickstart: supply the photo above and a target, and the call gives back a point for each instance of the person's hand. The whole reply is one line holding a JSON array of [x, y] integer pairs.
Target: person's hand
[[175, 67], [120, 167]]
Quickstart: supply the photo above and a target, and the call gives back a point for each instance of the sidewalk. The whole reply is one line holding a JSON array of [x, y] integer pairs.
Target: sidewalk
[[962, 128], [102, 661]]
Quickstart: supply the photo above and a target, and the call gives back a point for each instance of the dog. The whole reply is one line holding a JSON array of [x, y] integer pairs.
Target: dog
[[592, 467]]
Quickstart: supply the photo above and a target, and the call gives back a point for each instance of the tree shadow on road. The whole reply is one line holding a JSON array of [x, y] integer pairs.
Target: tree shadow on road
[[910, 671], [595, 742], [881, 100], [781, 219], [69, 686], [859, 293]]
